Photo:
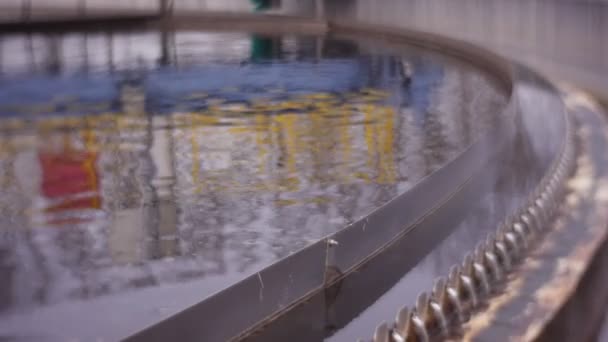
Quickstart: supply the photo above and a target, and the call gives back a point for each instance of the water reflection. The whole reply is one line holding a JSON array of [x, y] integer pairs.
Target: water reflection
[[133, 175]]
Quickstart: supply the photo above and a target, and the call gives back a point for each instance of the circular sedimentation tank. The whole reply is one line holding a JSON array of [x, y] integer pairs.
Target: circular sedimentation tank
[[160, 176]]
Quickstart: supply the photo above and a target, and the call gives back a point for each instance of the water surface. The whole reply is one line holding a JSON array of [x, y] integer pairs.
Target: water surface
[[141, 172]]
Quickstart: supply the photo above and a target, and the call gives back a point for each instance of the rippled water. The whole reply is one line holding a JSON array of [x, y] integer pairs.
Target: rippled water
[[142, 172]]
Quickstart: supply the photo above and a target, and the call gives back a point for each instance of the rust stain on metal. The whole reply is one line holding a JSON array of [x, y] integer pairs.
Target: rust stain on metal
[[485, 319], [569, 265], [568, 270]]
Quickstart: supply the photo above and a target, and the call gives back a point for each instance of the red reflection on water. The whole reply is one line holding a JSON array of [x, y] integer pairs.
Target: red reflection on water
[[71, 182]]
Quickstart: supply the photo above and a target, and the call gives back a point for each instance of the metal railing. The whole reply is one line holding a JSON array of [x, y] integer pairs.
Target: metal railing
[[29, 10], [25, 10]]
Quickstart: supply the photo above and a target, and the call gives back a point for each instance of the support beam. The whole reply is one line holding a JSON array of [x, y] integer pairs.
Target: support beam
[[26, 10], [82, 8], [166, 7], [320, 8]]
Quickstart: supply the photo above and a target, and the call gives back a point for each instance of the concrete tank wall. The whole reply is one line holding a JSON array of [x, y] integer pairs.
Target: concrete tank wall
[[567, 39]]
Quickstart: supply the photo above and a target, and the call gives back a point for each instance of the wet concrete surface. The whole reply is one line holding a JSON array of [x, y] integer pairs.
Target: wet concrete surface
[[145, 171], [558, 293]]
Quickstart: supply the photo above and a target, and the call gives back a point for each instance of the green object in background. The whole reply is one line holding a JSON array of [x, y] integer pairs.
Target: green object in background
[[261, 5], [261, 48]]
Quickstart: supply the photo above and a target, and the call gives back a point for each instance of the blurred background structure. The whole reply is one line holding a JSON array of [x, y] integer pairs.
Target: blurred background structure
[[563, 38]]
